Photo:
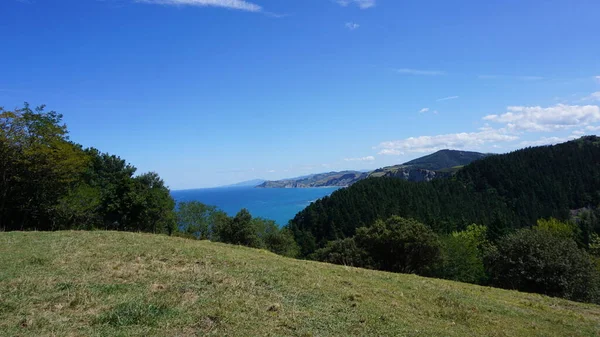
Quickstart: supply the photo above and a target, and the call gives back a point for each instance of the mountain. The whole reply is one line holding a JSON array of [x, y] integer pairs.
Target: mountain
[[503, 192], [343, 178], [247, 183], [442, 163], [132, 284]]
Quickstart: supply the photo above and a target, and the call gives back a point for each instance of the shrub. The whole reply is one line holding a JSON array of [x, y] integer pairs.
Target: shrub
[[400, 245], [344, 252], [538, 261]]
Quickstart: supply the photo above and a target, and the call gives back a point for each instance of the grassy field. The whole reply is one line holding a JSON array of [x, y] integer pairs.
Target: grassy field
[[125, 284]]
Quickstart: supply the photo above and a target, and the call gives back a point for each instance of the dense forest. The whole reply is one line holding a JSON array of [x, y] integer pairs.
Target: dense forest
[[527, 220], [501, 192]]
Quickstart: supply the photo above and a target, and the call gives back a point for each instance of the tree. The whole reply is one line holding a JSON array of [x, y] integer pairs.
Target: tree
[[462, 255], [281, 241], [152, 209], [40, 165], [400, 245], [196, 219], [561, 229], [240, 230], [538, 261], [345, 252]]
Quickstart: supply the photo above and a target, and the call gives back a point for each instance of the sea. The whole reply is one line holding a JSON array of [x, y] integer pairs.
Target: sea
[[278, 204]]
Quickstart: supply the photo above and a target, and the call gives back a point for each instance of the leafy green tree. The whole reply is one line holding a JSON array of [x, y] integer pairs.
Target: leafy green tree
[[561, 229], [538, 261], [240, 230], [78, 209], [153, 206], [281, 241], [400, 245], [196, 219], [41, 166], [462, 255]]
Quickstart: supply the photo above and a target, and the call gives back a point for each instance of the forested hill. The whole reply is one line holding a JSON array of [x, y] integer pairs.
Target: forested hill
[[445, 159], [443, 163], [501, 192], [438, 164]]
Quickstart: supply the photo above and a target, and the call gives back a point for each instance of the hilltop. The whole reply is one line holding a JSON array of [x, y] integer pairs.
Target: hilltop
[[442, 163], [439, 164], [117, 283]]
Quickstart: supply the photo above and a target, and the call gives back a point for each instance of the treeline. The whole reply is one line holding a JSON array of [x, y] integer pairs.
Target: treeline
[[196, 220], [48, 182], [548, 258], [502, 192]]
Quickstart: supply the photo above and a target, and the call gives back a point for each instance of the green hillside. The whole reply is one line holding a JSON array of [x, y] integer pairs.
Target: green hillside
[[126, 284]]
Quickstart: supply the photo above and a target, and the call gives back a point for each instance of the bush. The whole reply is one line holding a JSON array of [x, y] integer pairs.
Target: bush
[[344, 252], [541, 262], [400, 245], [460, 260]]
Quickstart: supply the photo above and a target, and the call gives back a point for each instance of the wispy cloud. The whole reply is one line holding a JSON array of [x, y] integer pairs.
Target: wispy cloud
[[538, 119], [367, 158], [519, 78], [547, 141], [363, 4], [597, 78], [517, 122], [424, 110], [595, 96], [230, 4], [409, 71], [351, 25], [446, 98], [461, 140]]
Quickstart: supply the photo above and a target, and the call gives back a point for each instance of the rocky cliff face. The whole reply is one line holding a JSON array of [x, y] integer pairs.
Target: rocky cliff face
[[342, 179]]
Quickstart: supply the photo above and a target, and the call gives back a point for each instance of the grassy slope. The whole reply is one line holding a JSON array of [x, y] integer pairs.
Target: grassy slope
[[111, 284]]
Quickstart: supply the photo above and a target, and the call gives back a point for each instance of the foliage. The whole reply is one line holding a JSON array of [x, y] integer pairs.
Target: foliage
[[197, 219], [344, 252], [462, 255], [200, 221], [50, 183], [560, 229], [400, 245], [538, 261]]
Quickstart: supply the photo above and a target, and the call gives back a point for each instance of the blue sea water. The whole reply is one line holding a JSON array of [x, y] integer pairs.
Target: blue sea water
[[279, 204]]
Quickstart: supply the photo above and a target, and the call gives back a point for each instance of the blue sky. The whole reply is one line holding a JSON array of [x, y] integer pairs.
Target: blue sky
[[211, 92]]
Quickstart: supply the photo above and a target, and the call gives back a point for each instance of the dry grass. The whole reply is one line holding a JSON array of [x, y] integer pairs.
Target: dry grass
[[125, 284]]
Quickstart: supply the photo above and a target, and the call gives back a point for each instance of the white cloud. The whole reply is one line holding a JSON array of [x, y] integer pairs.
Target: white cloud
[[367, 158], [424, 110], [352, 25], [595, 96], [231, 4], [271, 171], [559, 117], [434, 143], [547, 141], [409, 71], [446, 98], [597, 78], [592, 128], [363, 4]]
